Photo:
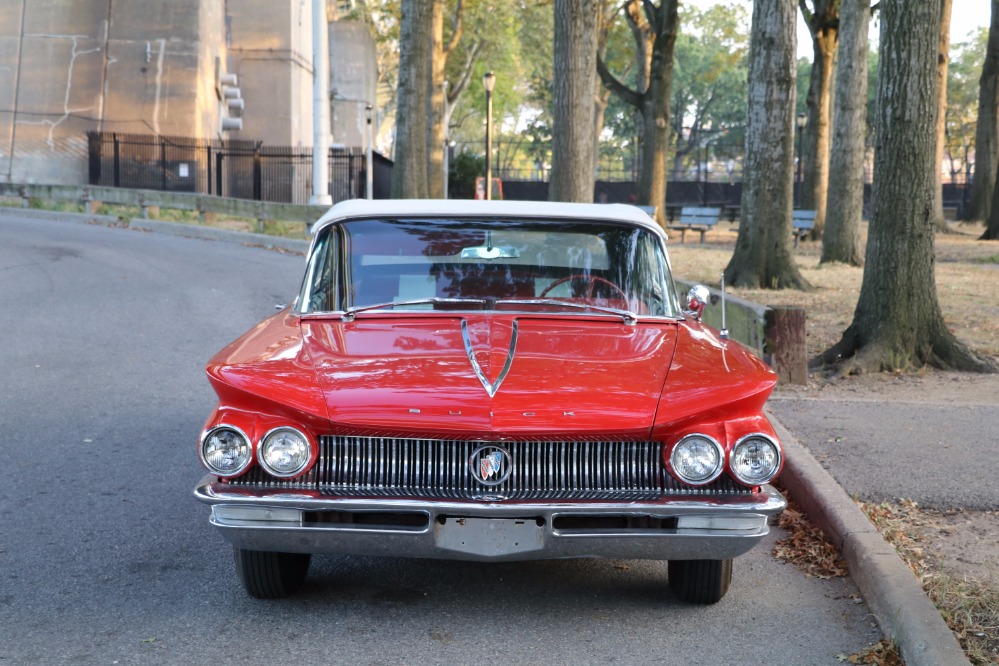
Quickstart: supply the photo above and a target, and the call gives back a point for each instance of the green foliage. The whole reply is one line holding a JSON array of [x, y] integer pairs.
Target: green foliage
[[709, 81], [964, 71], [493, 34], [462, 172], [535, 35]]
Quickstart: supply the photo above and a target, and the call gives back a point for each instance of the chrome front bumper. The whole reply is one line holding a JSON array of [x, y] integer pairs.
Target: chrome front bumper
[[686, 528]]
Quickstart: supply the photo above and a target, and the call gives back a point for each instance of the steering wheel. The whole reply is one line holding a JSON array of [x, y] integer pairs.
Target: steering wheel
[[591, 280]]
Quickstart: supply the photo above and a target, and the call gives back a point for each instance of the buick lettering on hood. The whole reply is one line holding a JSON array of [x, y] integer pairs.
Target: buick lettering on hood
[[489, 381]]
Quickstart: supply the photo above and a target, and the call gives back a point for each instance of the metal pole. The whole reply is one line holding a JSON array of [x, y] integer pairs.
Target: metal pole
[[369, 175], [489, 144], [704, 193], [320, 106], [447, 163]]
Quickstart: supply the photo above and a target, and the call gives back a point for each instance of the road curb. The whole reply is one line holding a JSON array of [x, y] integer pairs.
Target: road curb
[[903, 611]]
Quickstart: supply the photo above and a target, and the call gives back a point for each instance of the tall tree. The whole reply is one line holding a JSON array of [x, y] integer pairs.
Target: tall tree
[[841, 237], [437, 110], [573, 143], [943, 58], [762, 256], [409, 176], [658, 23], [822, 20], [987, 132], [897, 323], [987, 117]]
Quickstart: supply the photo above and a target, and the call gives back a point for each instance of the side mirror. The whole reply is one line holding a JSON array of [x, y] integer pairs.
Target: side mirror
[[697, 298]]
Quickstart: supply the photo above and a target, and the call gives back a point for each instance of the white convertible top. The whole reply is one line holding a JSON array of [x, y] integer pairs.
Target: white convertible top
[[463, 208]]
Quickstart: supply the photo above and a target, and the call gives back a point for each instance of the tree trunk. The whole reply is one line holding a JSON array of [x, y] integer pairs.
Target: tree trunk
[[898, 324], [841, 237], [655, 112], [409, 176], [762, 255], [987, 118], [992, 230], [435, 103], [658, 26], [573, 143], [823, 26], [943, 56], [986, 139]]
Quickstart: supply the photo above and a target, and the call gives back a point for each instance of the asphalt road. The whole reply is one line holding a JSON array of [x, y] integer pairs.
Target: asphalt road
[[883, 449], [106, 558]]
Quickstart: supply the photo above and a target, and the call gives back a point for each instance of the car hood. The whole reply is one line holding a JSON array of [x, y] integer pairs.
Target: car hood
[[489, 376]]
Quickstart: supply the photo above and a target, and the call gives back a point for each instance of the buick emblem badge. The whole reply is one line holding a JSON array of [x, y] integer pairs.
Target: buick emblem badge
[[490, 465]]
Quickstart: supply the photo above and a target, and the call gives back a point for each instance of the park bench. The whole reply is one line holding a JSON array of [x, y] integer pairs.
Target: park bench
[[802, 224], [701, 220]]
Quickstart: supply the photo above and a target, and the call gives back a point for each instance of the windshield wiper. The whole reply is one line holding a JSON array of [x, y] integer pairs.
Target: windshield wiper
[[630, 318], [348, 314]]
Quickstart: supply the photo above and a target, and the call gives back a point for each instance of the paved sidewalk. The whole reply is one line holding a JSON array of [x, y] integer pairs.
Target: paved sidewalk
[[929, 439]]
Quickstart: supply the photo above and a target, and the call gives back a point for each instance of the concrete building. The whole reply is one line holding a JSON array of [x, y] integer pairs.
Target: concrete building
[[270, 50], [353, 81], [158, 68]]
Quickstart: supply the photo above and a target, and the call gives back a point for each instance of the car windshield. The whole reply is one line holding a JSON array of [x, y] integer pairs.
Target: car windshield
[[497, 264]]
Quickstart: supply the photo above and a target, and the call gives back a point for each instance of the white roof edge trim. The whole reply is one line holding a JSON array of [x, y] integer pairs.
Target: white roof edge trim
[[463, 208]]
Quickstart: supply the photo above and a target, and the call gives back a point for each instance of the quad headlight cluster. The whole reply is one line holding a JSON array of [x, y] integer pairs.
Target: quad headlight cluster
[[283, 452], [699, 459]]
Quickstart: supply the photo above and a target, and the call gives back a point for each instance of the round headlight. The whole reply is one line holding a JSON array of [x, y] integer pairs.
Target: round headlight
[[226, 451], [755, 459], [284, 452], [697, 459]]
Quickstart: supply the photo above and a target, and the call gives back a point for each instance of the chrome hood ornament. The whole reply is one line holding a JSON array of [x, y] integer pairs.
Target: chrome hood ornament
[[491, 387]]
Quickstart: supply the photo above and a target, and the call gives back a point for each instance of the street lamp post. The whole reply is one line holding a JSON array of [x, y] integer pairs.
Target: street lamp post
[[320, 106], [489, 82], [707, 157], [369, 190], [801, 122]]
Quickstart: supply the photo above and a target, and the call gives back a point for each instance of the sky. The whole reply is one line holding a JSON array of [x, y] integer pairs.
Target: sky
[[966, 15]]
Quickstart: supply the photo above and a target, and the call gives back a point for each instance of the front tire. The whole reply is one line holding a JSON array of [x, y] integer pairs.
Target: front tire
[[700, 581], [267, 575]]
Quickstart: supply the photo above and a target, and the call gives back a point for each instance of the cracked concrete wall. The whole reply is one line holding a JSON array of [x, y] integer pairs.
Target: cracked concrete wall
[[57, 57], [70, 66]]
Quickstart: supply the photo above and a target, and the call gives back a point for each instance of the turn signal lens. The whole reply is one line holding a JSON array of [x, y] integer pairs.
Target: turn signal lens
[[226, 451], [755, 459], [697, 459], [284, 452]]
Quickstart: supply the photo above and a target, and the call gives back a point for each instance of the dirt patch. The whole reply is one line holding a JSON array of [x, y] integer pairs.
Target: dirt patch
[[967, 274]]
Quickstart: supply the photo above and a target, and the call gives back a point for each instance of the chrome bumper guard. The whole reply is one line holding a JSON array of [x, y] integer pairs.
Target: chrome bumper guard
[[684, 528]]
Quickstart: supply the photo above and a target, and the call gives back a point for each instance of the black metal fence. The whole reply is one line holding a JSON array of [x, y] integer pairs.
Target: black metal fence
[[237, 169]]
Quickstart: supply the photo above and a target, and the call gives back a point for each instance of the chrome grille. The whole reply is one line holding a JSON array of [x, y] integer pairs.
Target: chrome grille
[[542, 470]]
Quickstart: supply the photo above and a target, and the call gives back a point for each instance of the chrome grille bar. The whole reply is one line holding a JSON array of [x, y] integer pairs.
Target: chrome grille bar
[[542, 470]]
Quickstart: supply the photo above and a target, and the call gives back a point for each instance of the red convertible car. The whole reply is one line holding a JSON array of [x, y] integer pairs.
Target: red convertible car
[[489, 381]]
